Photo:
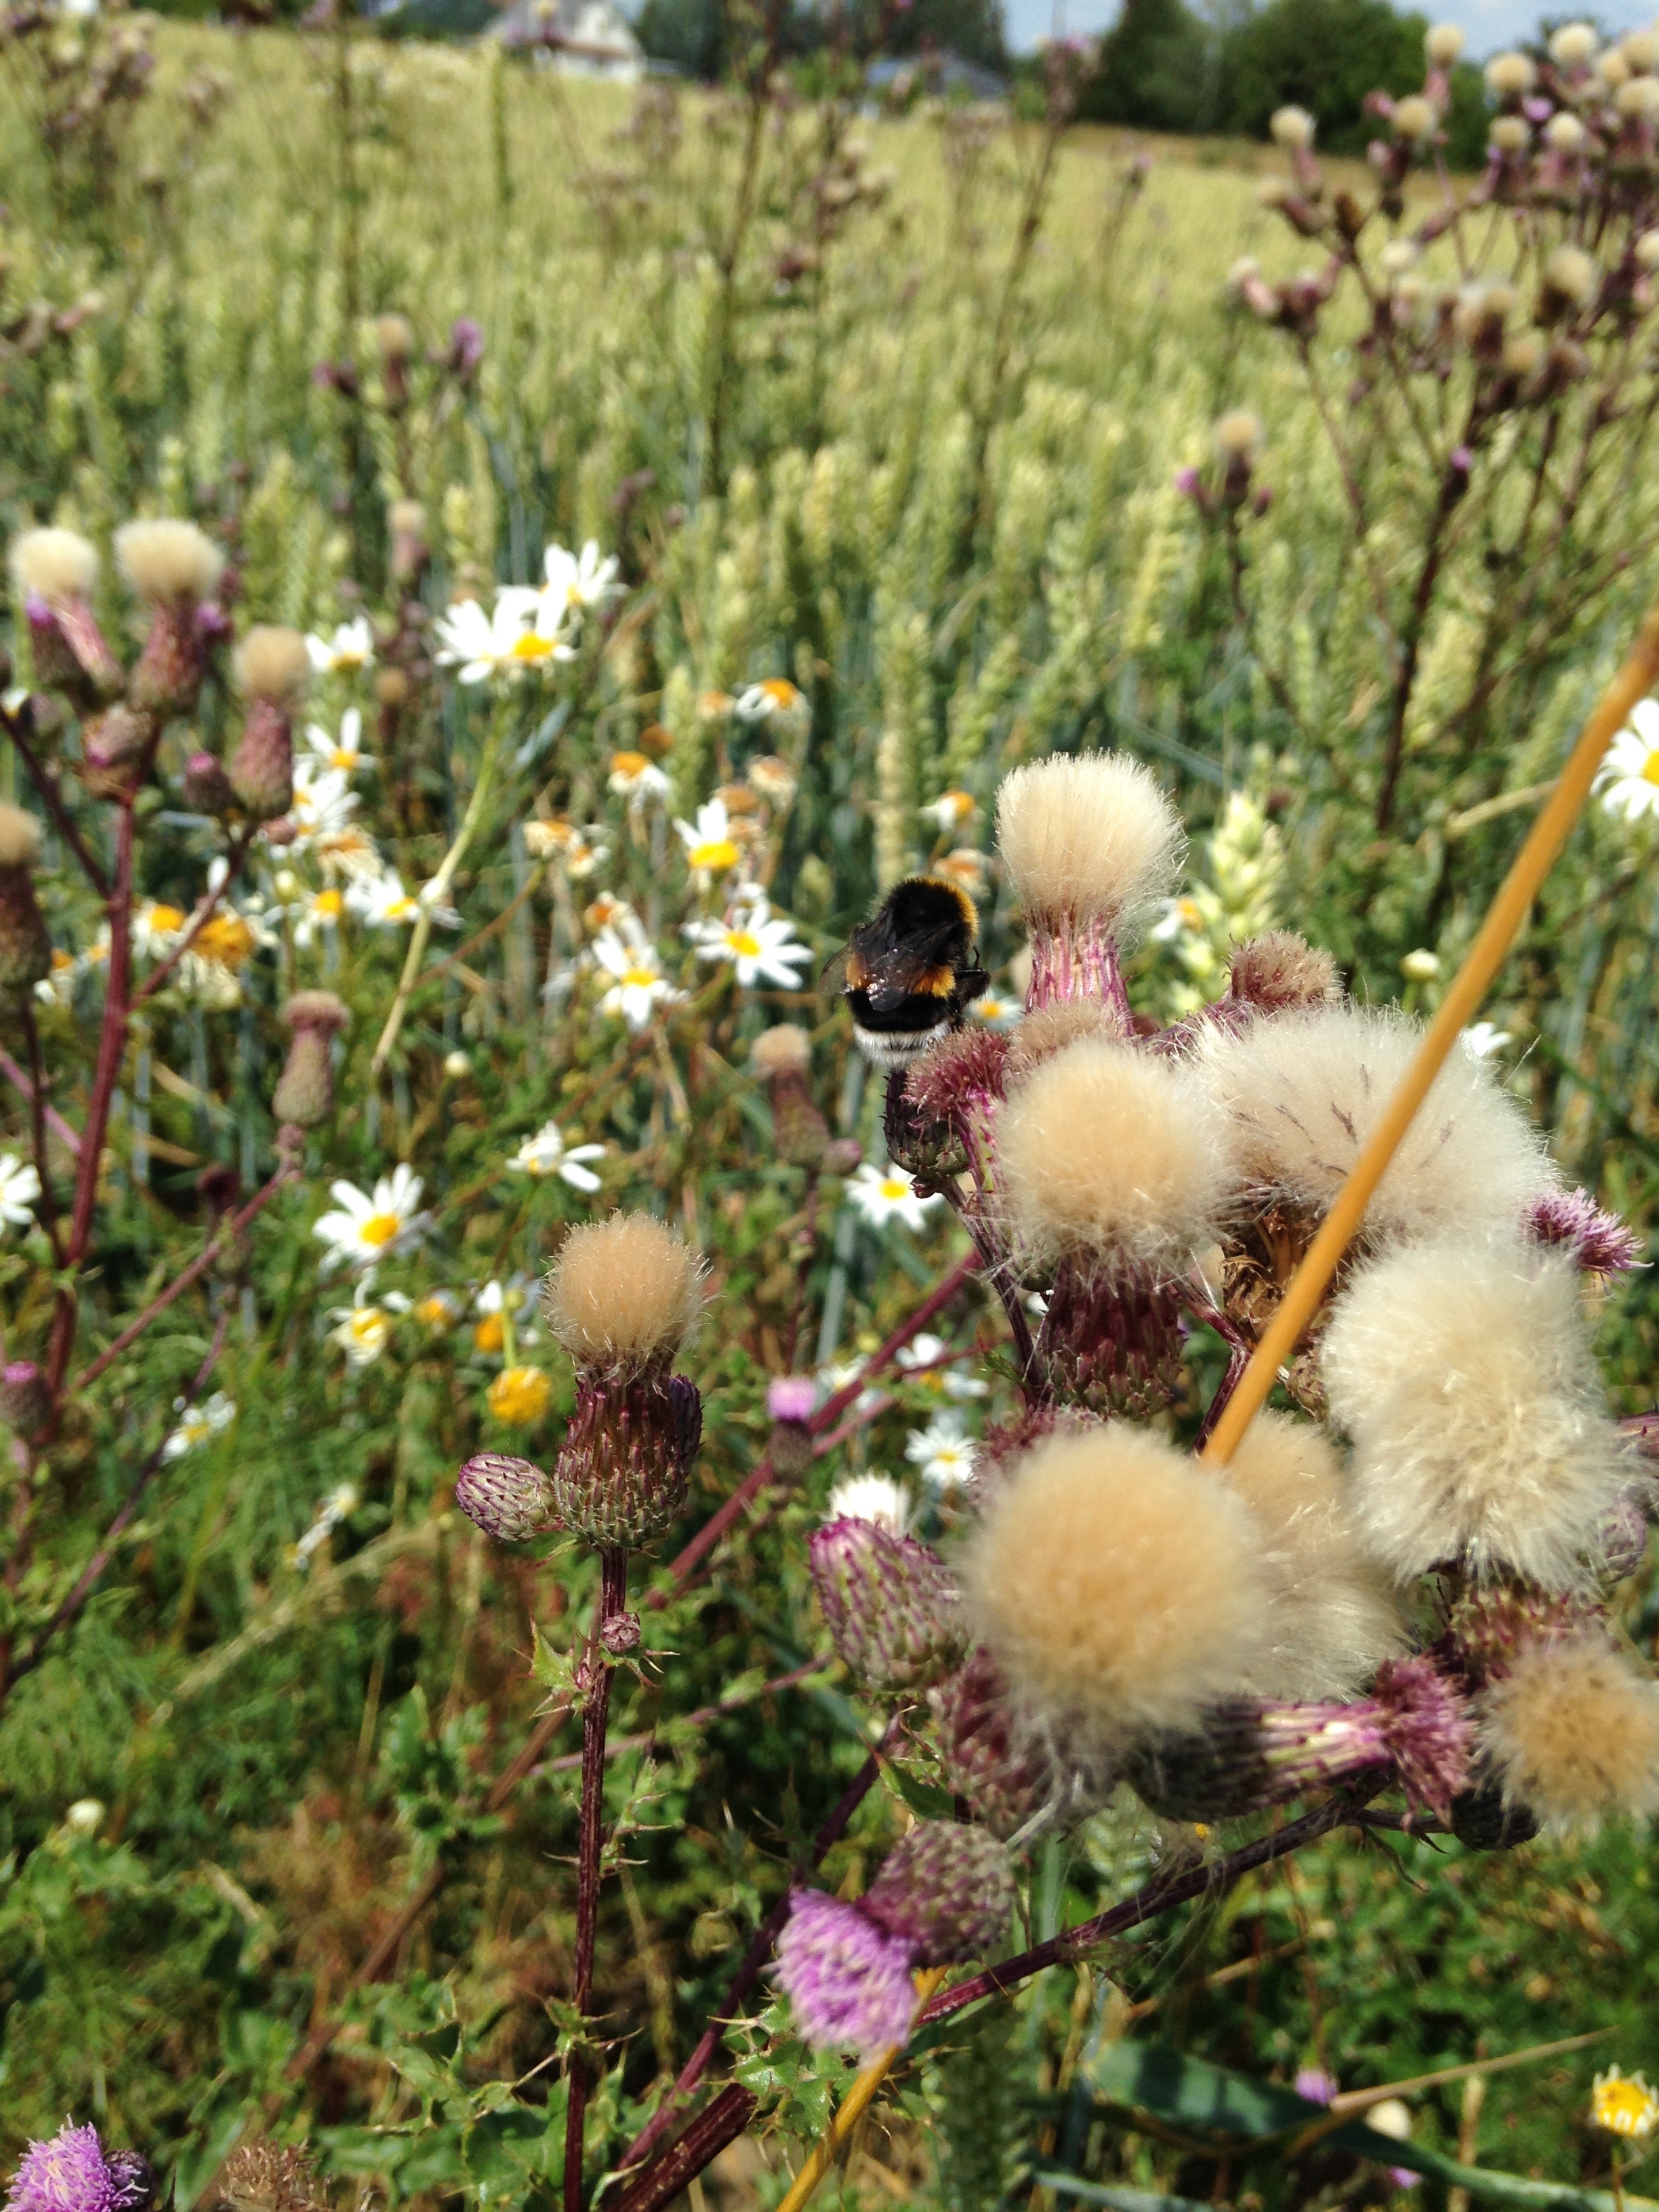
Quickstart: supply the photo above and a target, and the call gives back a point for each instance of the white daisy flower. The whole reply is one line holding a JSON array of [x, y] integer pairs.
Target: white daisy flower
[[888, 1194], [351, 649], [1628, 779], [636, 777], [640, 986], [504, 644], [760, 948], [776, 696], [546, 1153], [710, 847], [992, 1011], [492, 1305], [20, 1187], [944, 1451], [950, 810], [340, 1503], [579, 851], [875, 1497], [365, 1229], [199, 1425], [1482, 1039], [317, 916], [577, 581], [343, 753], [437, 1308], [1181, 917], [364, 1329], [927, 1351], [322, 805], [385, 904], [156, 927], [838, 1376]]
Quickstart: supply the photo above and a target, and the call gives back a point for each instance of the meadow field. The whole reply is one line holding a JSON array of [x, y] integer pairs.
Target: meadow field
[[695, 504]]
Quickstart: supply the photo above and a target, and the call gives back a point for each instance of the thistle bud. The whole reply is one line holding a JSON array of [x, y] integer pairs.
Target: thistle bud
[[1599, 1242], [114, 744], [1279, 972], [25, 1401], [781, 1057], [1002, 1771], [274, 666], [889, 1604], [789, 1401], [509, 1499], [206, 788], [305, 1091], [175, 567], [25, 945], [947, 1890], [620, 1475]]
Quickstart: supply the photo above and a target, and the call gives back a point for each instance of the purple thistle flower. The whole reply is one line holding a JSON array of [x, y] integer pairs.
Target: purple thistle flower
[[791, 1397], [70, 2173], [1598, 1240], [1315, 2085], [1427, 1731], [848, 1979]]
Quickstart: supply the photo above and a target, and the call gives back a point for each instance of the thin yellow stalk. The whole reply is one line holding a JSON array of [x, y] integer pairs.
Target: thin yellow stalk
[[1548, 834], [853, 2105]]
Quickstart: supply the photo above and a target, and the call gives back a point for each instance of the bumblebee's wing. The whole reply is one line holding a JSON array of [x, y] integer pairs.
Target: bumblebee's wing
[[833, 980], [921, 965]]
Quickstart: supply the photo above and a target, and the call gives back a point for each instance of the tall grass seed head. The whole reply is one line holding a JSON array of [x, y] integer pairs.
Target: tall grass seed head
[[56, 564], [1334, 1616], [1305, 1092], [623, 1293], [1107, 1151], [1573, 1733], [168, 561], [272, 663], [1119, 1586], [1086, 837], [1464, 1374]]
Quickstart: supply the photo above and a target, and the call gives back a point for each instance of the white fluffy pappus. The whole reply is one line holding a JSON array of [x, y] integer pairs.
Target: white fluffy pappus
[[1573, 1733], [1106, 1150], [58, 564], [1464, 1374], [1305, 1091], [168, 560], [1088, 836], [1334, 1615], [1119, 1586]]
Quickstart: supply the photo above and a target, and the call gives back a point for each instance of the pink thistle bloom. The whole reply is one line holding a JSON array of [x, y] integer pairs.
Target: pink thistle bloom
[[848, 1979], [71, 2174]]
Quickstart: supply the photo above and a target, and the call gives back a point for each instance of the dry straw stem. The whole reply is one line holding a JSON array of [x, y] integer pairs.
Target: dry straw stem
[[20, 838], [1305, 1091], [1574, 1734], [1107, 1150], [1119, 1585], [623, 1292], [168, 560], [1334, 1618], [1476, 1426], [272, 663], [1088, 836], [1548, 834], [58, 564]]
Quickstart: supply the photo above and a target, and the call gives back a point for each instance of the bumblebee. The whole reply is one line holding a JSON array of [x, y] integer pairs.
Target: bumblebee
[[909, 973]]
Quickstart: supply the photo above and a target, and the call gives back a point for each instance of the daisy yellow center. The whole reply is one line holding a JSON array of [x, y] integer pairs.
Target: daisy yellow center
[[639, 979], [519, 1395], [893, 1189], [194, 1432], [379, 1230], [1624, 2107], [226, 938], [341, 758], [348, 660], [60, 959], [328, 906], [490, 1334], [531, 646], [1651, 767], [433, 1312], [366, 1323], [400, 909], [629, 764], [743, 943], [779, 693], [715, 854], [166, 917]]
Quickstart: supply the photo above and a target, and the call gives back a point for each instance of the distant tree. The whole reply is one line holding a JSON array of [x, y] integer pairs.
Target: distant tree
[[1323, 55], [689, 34], [1155, 69], [972, 28]]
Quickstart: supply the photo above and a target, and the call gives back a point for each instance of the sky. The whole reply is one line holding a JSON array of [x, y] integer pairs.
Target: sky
[[1490, 24]]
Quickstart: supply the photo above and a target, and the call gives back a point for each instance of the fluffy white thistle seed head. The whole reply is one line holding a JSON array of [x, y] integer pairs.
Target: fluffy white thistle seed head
[[1574, 45], [1119, 1586], [1573, 1732], [1464, 1374], [20, 838], [1088, 836], [1415, 116], [1509, 75], [1305, 1091], [623, 1293], [58, 564], [272, 663], [1444, 44], [168, 560], [1105, 1150], [1293, 127]]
